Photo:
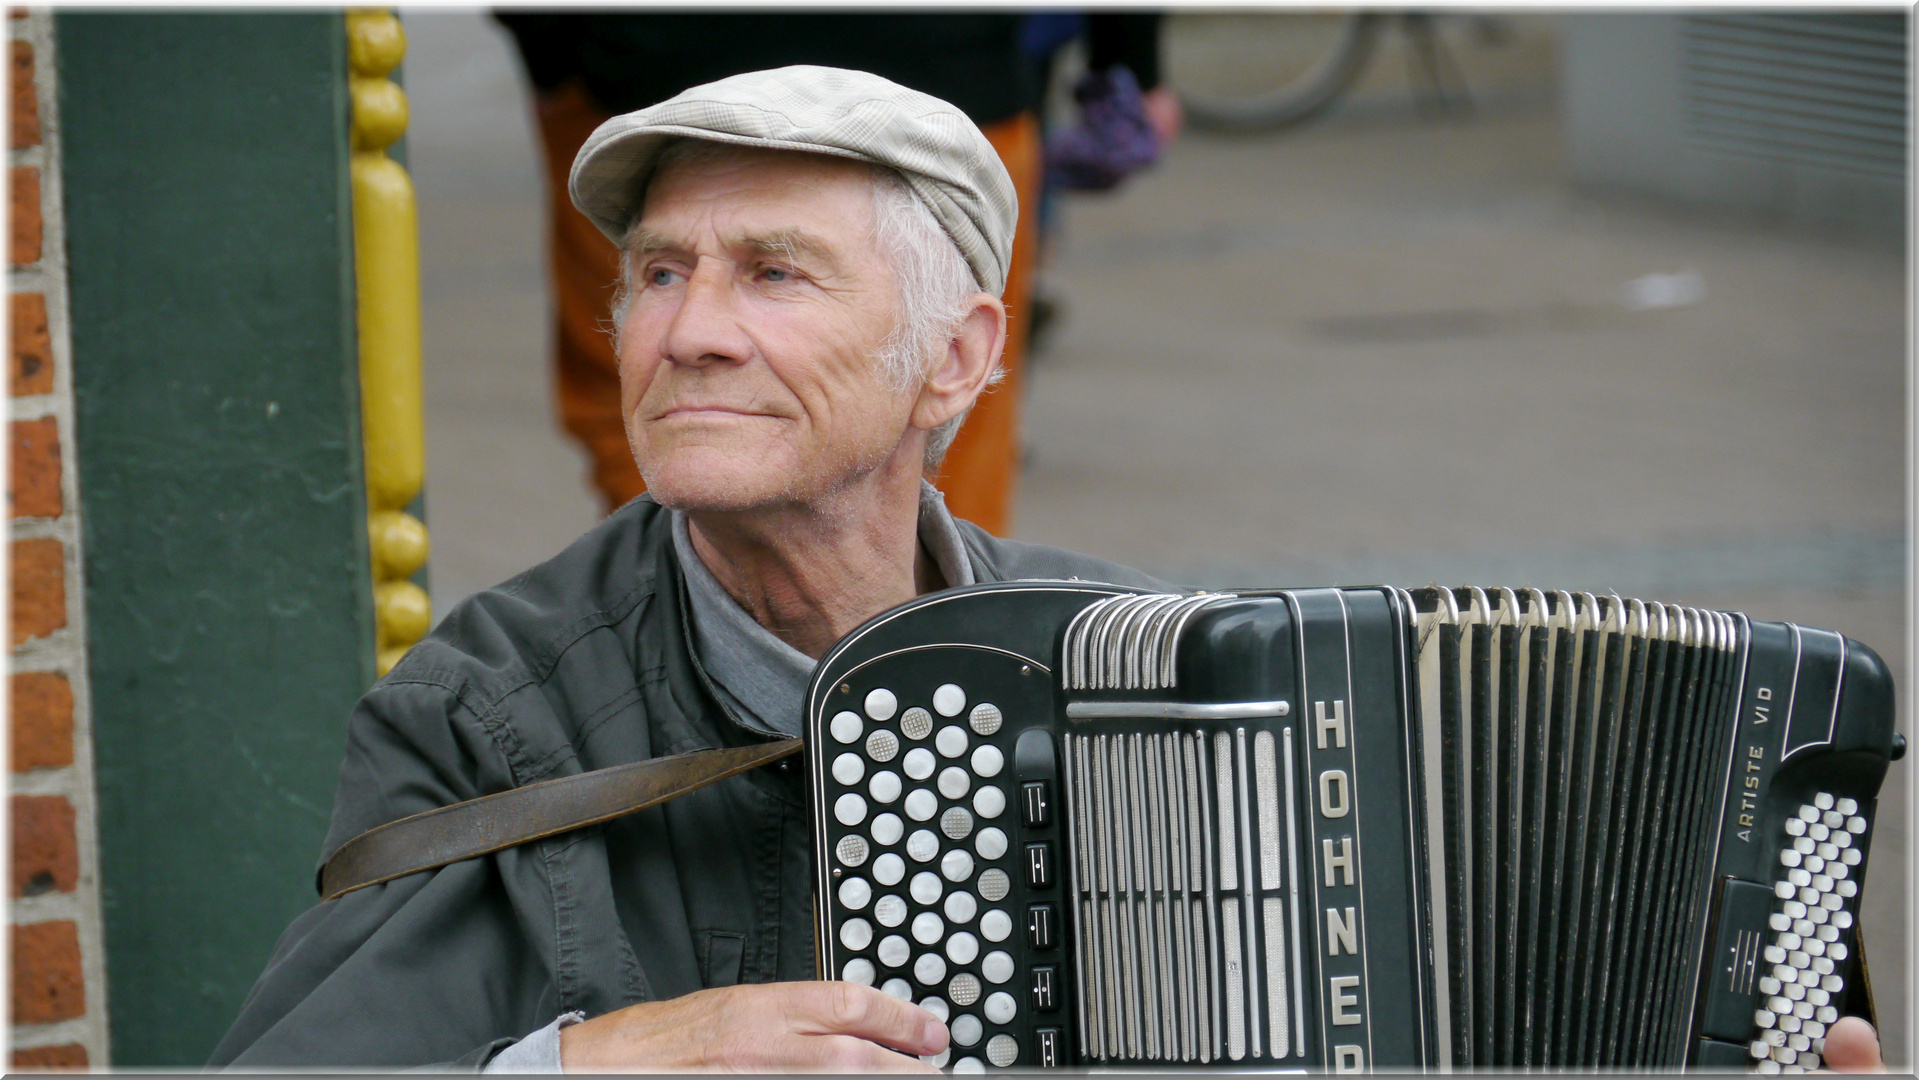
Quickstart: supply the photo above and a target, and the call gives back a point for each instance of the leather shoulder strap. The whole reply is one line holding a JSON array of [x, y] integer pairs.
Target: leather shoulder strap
[[506, 819]]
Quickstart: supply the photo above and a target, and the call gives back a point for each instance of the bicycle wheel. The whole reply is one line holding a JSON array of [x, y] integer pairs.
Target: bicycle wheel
[[1240, 71]]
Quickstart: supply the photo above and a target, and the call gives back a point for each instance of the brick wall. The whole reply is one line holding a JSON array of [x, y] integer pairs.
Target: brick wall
[[58, 972]]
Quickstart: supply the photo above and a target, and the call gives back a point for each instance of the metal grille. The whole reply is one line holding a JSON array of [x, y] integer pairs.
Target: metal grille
[[1827, 90]]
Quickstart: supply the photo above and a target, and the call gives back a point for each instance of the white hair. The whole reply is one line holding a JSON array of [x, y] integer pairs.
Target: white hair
[[935, 284]]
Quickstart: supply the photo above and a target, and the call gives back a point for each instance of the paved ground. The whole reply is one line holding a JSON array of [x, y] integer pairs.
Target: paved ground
[[1375, 349]]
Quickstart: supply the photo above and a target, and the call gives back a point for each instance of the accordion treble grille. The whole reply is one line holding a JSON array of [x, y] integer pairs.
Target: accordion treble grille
[[1184, 870]]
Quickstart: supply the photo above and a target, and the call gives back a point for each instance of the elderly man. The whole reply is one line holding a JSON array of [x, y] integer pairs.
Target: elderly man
[[811, 304]]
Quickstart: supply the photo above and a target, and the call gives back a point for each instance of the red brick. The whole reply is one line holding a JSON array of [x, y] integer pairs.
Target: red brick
[[23, 218], [39, 586], [23, 116], [47, 985], [30, 370], [40, 719], [46, 855], [41, 1058], [33, 473]]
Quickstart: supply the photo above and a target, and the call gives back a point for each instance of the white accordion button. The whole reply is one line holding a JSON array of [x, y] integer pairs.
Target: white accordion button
[[994, 885], [848, 768], [1847, 889], [991, 844], [1805, 845], [1775, 954], [1779, 920], [966, 1029], [989, 802], [960, 906], [1002, 1050], [846, 727], [995, 925], [927, 928], [1809, 814], [1000, 1007], [1833, 818], [948, 700], [951, 741], [898, 988], [956, 865], [964, 990], [1795, 826], [1856, 826], [1814, 833], [988, 761], [890, 911], [887, 829], [880, 705], [850, 809], [1850, 856], [926, 888], [894, 951], [1828, 933], [920, 804], [1842, 920], [1789, 857], [956, 823], [939, 1060], [922, 846], [937, 1006], [1847, 807], [1823, 800], [882, 745], [851, 850], [854, 893], [967, 1065], [858, 971], [885, 786], [916, 724], [856, 934], [954, 783], [929, 969], [962, 948], [889, 869], [918, 763], [997, 967], [985, 719]]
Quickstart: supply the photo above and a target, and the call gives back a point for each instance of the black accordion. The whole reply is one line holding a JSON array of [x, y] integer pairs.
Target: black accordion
[[1348, 829]]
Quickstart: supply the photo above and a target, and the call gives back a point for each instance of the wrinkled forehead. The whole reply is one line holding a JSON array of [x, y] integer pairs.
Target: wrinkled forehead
[[734, 181]]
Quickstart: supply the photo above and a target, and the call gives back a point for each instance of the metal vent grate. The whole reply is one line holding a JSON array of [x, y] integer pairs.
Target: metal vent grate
[[1819, 89]]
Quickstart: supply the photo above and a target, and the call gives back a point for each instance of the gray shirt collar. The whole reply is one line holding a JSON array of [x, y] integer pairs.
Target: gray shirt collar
[[763, 678]]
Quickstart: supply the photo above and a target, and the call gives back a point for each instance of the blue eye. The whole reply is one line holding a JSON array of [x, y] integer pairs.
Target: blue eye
[[774, 273], [660, 276]]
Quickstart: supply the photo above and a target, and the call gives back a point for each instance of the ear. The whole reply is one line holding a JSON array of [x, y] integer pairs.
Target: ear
[[957, 379]]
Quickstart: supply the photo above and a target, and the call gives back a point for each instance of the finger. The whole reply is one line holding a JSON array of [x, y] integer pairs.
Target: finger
[[843, 1008], [846, 1054], [1852, 1046]]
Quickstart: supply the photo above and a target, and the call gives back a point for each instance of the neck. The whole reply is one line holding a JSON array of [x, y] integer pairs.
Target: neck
[[812, 572]]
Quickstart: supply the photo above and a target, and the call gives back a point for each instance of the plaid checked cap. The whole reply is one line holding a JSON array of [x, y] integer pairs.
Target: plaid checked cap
[[941, 153]]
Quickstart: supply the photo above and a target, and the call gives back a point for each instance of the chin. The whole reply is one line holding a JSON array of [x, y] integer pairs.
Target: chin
[[717, 482]]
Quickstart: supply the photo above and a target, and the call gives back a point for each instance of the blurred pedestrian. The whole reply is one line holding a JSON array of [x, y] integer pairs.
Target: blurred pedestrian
[[588, 66]]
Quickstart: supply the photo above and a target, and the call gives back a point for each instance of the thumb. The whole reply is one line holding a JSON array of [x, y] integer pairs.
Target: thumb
[[1852, 1046]]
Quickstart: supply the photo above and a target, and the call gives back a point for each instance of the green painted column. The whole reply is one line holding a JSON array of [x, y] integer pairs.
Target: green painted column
[[228, 603]]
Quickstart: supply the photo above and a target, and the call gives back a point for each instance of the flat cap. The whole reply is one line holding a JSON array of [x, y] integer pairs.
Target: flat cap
[[941, 153]]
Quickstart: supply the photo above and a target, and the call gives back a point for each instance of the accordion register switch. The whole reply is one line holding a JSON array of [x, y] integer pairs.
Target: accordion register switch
[[1348, 829]]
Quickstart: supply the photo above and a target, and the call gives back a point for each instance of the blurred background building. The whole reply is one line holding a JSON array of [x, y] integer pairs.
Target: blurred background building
[[1610, 301]]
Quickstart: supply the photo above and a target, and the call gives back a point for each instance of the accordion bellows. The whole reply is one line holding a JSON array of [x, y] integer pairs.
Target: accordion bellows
[[1348, 829]]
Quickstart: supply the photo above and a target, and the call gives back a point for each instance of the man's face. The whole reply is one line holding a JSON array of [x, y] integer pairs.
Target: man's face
[[748, 369]]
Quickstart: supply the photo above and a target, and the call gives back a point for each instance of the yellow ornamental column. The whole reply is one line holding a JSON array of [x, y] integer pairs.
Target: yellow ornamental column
[[386, 259]]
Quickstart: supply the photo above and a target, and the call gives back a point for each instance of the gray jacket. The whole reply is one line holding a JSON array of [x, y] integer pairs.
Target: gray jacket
[[580, 663]]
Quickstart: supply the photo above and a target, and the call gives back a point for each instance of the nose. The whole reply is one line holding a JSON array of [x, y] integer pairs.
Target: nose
[[705, 328]]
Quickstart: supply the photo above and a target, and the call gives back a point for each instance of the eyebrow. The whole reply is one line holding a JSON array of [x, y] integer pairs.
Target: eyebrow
[[790, 244]]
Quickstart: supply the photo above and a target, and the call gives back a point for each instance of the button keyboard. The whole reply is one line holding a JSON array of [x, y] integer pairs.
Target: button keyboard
[[1809, 919], [925, 871]]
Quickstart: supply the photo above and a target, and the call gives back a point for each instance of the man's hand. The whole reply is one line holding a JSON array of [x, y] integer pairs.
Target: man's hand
[[830, 1026], [1852, 1047]]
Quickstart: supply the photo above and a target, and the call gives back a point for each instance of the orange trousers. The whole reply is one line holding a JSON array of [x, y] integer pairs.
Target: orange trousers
[[980, 471]]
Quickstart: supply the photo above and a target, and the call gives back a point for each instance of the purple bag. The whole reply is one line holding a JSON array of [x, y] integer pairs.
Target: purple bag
[[1113, 137]]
